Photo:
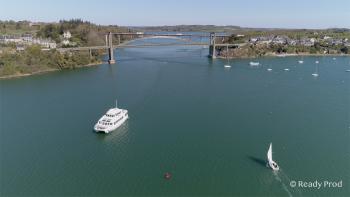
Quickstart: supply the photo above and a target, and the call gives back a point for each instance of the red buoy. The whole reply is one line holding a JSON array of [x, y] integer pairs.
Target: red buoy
[[167, 175]]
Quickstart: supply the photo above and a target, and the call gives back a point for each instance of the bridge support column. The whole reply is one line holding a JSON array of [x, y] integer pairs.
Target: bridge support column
[[212, 47], [110, 49]]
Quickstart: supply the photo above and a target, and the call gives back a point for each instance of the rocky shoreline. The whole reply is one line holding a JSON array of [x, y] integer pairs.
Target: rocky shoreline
[[246, 56], [18, 75]]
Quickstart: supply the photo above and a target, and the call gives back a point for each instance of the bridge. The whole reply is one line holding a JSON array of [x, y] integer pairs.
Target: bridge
[[213, 42]]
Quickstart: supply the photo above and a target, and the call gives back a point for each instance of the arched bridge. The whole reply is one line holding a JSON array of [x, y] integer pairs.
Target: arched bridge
[[212, 40]]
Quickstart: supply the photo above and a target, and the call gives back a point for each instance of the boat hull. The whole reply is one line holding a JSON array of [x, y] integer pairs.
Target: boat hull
[[273, 165]]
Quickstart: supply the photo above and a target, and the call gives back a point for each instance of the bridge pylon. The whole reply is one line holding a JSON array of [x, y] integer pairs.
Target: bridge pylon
[[110, 49], [212, 46]]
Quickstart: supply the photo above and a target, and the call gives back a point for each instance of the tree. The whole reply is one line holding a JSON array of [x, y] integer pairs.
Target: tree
[[344, 50]]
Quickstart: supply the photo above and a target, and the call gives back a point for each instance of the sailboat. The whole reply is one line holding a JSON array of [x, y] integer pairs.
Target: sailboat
[[254, 63], [316, 72], [301, 61], [272, 164], [228, 61]]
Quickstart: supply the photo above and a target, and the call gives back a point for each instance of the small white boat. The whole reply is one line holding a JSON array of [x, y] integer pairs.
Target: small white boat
[[111, 120], [286, 69], [301, 61], [272, 164], [317, 62], [347, 70], [269, 69], [316, 72], [334, 58], [227, 66], [254, 63]]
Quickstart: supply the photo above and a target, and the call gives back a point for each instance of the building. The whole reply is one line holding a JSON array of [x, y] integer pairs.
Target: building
[[20, 47], [67, 35], [65, 42]]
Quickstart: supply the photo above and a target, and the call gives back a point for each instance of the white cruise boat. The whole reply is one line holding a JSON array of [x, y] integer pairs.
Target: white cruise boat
[[111, 120]]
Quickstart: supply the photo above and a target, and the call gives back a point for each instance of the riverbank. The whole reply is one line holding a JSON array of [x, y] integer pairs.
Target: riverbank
[[18, 75], [280, 55]]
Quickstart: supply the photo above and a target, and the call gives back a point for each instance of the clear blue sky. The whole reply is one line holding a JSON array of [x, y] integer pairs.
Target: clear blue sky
[[247, 13]]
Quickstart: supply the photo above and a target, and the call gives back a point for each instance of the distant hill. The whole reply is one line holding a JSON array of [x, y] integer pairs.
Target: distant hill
[[184, 28], [228, 28]]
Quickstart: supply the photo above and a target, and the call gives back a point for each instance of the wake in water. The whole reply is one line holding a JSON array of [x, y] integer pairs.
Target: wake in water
[[285, 181]]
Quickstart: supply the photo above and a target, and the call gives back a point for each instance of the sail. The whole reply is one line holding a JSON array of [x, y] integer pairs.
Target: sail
[[269, 153]]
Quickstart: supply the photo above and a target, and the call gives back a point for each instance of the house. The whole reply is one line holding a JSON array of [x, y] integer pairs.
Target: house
[[12, 38], [292, 42], [67, 35], [337, 42], [2, 39], [253, 40], [47, 44], [307, 42], [27, 38], [20, 47], [65, 42], [280, 40]]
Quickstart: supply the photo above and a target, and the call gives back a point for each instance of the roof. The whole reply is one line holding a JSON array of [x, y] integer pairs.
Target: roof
[[113, 111]]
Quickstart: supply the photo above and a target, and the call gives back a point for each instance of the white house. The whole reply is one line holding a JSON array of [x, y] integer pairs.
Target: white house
[[67, 35], [65, 42]]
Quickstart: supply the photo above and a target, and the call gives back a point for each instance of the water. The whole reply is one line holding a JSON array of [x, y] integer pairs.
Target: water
[[208, 126]]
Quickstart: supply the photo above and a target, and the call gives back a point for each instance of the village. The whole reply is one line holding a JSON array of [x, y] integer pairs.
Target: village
[[308, 42], [24, 40]]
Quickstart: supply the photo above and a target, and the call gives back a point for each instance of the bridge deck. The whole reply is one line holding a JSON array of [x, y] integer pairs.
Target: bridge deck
[[143, 45]]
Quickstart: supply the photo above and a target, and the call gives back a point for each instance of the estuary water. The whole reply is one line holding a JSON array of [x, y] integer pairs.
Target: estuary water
[[208, 126]]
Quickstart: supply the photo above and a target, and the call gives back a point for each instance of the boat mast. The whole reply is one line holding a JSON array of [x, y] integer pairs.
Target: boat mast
[[116, 103], [228, 61]]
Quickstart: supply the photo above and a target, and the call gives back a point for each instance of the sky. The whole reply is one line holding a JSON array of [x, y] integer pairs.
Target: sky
[[245, 13]]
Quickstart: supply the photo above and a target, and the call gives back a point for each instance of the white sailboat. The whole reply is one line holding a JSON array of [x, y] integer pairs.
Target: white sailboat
[[316, 72], [227, 59], [272, 164], [302, 60]]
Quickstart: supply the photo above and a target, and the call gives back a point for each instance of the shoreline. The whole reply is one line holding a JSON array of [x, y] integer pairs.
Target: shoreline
[[19, 75], [285, 55]]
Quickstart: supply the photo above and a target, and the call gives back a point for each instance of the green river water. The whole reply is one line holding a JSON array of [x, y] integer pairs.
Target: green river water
[[208, 126]]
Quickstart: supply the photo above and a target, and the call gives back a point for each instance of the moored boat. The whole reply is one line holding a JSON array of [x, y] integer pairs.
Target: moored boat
[[254, 63]]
